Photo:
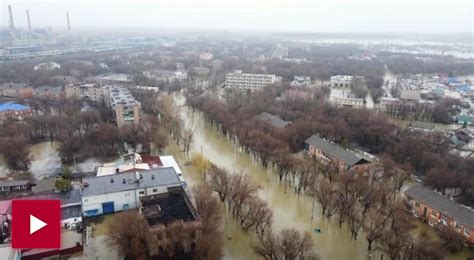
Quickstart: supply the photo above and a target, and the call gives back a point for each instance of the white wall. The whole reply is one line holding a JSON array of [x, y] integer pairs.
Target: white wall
[[120, 199]]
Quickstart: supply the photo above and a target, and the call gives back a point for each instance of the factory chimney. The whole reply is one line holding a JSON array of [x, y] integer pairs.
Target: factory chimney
[[12, 25], [68, 22], [28, 17]]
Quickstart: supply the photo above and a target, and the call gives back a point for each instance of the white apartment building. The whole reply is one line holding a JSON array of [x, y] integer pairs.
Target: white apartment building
[[238, 79]]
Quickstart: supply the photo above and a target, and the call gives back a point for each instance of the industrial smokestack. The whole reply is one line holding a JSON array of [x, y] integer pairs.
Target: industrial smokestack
[[12, 25], [28, 17], [68, 22]]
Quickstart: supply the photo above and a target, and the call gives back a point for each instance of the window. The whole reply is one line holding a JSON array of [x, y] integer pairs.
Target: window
[[433, 213], [125, 206], [417, 204], [141, 192], [155, 190], [127, 194], [458, 226]]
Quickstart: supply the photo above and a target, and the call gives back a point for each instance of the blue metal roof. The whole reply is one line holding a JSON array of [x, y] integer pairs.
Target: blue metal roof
[[12, 106]]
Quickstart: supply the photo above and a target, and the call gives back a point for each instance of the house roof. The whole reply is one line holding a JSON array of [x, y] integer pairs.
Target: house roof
[[442, 204], [14, 183], [127, 181], [10, 106], [335, 151], [464, 130], [72, 197], [273, 120]]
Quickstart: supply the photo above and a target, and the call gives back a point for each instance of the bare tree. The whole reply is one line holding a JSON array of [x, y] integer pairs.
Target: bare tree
[[323, 192], [294, 245], [241, 189], [268, 246], [209, 245], [187, 140], [133, 241], [219, 180], [255, 213]]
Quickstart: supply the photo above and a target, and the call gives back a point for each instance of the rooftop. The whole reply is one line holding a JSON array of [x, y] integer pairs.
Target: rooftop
[[335, 151], [128, 181], [45, 185], [10, 106], [273, 120], [166, 208], [14, 183], [72, 197], [121, 96], [442, 204]]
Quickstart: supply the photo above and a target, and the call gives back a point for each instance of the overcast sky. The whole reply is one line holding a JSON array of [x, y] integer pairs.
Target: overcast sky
[[257, 15]]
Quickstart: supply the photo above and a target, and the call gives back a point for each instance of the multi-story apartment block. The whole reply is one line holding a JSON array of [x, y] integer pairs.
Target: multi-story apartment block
[[126, 108], [238, 79], [94, 92]]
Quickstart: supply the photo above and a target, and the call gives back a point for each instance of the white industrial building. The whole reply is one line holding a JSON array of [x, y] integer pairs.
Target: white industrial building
[[122, 191], [238, 79]]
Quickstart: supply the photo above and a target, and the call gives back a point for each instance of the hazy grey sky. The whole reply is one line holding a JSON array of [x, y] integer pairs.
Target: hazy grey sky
[[278, 15]]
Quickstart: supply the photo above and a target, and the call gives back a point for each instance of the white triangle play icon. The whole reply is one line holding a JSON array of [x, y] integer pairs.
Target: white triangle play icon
[[36, 224]]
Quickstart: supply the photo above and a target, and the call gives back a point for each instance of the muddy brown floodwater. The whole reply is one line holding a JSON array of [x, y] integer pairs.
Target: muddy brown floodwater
[[290, 210]]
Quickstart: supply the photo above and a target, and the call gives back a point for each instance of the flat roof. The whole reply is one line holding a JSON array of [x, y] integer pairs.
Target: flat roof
[[127, 181], [169, 161], [164, 209]]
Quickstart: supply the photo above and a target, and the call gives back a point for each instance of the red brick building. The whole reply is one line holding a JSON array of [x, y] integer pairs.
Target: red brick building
[[439, 210]]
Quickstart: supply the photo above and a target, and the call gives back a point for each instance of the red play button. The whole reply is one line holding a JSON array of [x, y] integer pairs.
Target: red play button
[[36, 223]]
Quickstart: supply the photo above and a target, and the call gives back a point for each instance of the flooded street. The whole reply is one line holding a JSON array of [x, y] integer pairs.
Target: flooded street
[[290, 210]]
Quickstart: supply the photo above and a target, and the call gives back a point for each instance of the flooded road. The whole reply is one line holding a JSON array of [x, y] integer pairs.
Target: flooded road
[[290, 210]]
